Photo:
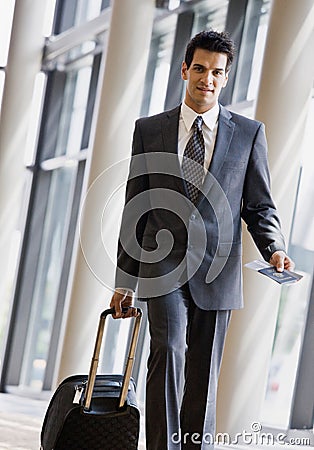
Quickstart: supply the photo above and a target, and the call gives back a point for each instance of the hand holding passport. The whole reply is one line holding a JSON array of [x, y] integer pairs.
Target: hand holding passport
[[285, 277]]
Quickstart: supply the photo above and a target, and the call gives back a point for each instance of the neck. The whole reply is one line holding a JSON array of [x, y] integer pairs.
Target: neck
[[200, 109]]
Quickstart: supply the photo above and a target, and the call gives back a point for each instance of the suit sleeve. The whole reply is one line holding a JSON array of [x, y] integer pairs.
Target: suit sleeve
[[258, 209], [134, 217]]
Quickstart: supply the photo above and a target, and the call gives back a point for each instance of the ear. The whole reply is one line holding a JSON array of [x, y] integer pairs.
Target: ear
[[226, 80], [184, 71]]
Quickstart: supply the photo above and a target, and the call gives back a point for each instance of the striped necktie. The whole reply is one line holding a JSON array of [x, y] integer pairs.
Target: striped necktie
[[194, 153]]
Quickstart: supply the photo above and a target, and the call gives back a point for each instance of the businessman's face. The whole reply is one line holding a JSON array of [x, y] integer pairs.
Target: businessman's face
[[205, 78]]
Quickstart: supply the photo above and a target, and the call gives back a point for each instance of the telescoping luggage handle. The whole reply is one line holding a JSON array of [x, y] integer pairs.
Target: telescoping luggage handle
[[95, 359]]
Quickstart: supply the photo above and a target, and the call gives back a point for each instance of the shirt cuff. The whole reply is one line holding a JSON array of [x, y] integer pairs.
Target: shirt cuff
[[125, 291]]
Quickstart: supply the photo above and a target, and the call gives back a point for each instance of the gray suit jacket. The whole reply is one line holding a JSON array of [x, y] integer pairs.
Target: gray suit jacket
[[164, 238]]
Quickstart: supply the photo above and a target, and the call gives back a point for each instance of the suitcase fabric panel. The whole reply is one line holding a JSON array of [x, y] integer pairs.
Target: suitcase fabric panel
[[114, 432]]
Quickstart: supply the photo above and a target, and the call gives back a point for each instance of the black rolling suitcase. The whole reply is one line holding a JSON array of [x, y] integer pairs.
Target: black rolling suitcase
[[95, 412]]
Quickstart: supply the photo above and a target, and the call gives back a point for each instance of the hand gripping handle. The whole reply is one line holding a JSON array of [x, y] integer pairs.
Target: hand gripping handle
[[95, 359]]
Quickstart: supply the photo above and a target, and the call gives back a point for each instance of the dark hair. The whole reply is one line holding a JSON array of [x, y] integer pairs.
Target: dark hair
[[212, 41]]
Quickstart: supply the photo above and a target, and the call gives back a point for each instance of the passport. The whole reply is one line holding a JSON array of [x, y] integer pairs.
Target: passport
[[285, 277]]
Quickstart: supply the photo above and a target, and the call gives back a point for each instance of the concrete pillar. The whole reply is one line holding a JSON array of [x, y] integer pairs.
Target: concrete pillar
[[24, 62], [119, 105], [282, 104]]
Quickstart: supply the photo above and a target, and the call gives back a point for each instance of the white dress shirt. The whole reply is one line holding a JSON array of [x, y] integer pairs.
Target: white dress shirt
[[210, 125]]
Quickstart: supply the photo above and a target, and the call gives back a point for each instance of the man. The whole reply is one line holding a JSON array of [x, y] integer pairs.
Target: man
[[168, 194]]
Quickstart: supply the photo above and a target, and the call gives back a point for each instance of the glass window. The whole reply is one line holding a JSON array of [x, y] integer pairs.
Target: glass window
[[35, 118], [6, 19], [5, 303], [68, 98], [259, 47], [50, 263], [249, 57], [294, 299], [49, 17], [73, 111], [87, 10], [72, 13], [105, 4], [158, 67], [65, 130], [210, 15]]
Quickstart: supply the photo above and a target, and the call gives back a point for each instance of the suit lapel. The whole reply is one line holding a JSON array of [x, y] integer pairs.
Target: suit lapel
[[170, 128], [222, 144]]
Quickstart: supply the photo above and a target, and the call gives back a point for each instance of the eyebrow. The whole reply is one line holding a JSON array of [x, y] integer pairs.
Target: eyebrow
[[215, 68], [198, 65]]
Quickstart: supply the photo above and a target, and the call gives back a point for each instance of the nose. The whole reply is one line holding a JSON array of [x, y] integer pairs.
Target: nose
[[207, 78]]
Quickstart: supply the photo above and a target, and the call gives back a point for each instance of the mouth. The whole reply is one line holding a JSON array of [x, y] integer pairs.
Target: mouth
[[205, 90]]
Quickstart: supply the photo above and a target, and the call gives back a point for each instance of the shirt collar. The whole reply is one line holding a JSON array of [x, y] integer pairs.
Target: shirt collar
[[209, 117]]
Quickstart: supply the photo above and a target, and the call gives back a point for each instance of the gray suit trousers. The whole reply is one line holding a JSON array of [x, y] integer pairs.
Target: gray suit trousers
[[183, 367]]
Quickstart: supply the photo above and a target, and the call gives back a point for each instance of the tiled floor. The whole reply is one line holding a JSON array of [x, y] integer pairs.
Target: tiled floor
[[20, 422]]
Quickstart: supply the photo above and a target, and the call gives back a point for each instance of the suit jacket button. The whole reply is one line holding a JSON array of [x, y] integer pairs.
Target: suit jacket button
[[193, 216]]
